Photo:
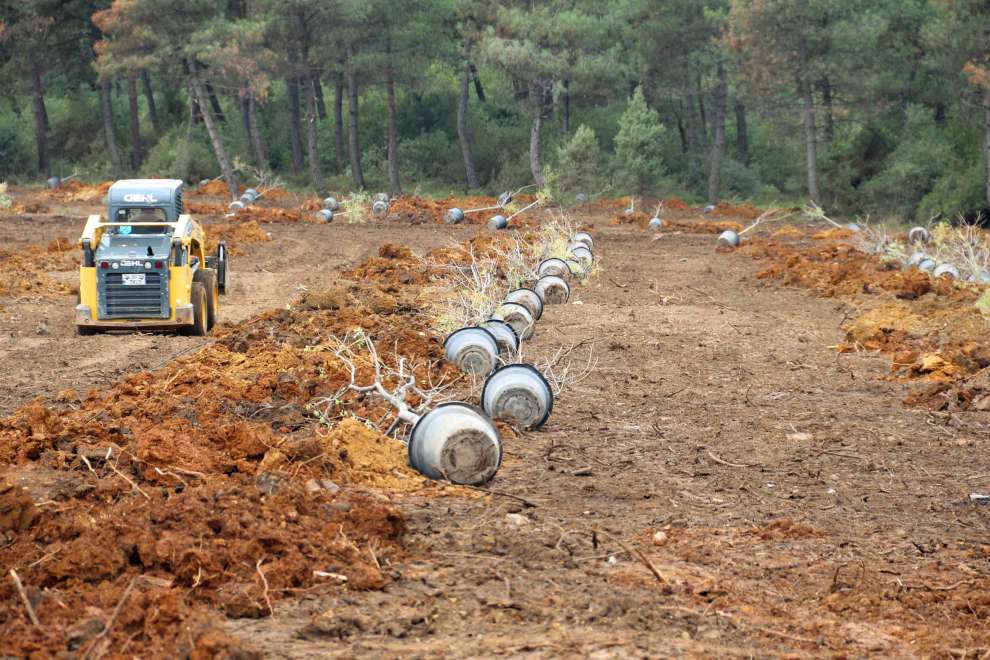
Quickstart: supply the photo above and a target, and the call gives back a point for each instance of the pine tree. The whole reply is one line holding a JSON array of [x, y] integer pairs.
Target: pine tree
[[638, 162], [579, 162]]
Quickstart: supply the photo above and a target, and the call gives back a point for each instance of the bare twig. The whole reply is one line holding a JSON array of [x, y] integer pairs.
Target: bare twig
[[108, 626], [526, 503], [264, 582], [24, 598], [720, 461], [122, 475], [638, 555]]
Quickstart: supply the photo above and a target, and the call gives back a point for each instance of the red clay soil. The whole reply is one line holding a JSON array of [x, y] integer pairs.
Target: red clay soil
[[929, 327], [687, 226], [418, 210], [236, 235], [26, 270], [206, 487]]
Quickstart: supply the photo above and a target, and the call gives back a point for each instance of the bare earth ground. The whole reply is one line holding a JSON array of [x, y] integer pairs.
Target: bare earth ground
[[42, 354], [787, 501], [804, 509]]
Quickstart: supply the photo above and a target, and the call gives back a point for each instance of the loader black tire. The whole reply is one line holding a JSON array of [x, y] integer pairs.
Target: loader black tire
[[223, 268], [199, 328], [208, 278]]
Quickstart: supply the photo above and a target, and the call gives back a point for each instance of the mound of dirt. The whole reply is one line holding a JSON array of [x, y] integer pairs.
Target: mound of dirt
[[419, 210], [788, 231], [932, 332], [676, 204], [687, 226], [210, 483], [79, 192], [26, 270], [253, 213], [215, 188], [372, 458], [841, 269], [235, 235], [833, 234], [745, 211]]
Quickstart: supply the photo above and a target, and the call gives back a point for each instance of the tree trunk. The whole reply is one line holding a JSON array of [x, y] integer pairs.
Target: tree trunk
[[462, 130], [196, 90], [242, 104], [292, 92], [478, 89], [566, 108], [321, 103], [534, 141], [691, 122], [134, 120], [810, 129], [702, 114], [215, 103], [149, 96], [106, 108], [338, 121], [256, 144], [393, 131], [718, 144], [986, 138], [742, 134], [40, 115], [195, 114], [682, 131], [826, 86], [352, 124], [312, 149]]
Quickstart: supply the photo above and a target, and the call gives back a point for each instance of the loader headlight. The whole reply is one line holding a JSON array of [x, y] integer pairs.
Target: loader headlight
[[147, 265], [115, 265]]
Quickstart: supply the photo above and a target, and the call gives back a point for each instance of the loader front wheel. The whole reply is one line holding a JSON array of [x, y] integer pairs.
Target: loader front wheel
[[199, 328], [208, 278]]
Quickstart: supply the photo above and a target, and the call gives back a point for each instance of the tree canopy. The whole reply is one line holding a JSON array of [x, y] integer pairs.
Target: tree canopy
[[875, 107]]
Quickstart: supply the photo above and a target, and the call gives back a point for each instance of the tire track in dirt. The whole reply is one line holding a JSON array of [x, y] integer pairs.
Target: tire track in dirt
[[800, 508]]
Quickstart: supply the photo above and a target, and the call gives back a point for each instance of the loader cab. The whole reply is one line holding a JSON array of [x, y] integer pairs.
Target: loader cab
[[159, 200]]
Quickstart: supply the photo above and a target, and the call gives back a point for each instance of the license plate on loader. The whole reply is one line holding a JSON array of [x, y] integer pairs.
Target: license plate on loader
[[134, 279]]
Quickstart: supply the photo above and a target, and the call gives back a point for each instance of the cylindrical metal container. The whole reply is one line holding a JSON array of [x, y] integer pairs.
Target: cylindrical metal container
[[531, 299], [518, 394], [552, 289], [498, 222], [456, 442], [728, 238], [505, 336], [553, 266], [518, 317], [474, 350]]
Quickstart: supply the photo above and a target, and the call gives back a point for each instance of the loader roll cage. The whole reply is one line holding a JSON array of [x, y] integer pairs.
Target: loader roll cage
[[188, 239]]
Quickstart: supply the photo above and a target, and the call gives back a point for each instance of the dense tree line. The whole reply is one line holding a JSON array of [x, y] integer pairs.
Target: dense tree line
[[879, 106]]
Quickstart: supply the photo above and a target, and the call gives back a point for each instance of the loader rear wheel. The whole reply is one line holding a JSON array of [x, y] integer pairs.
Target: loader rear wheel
[[208, 278], [199, 328], [223, 268]]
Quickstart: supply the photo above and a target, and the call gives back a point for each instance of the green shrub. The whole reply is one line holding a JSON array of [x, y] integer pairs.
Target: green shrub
[[428, 157], [181, 155], [638, 162], [16, 153], [579, 163]]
